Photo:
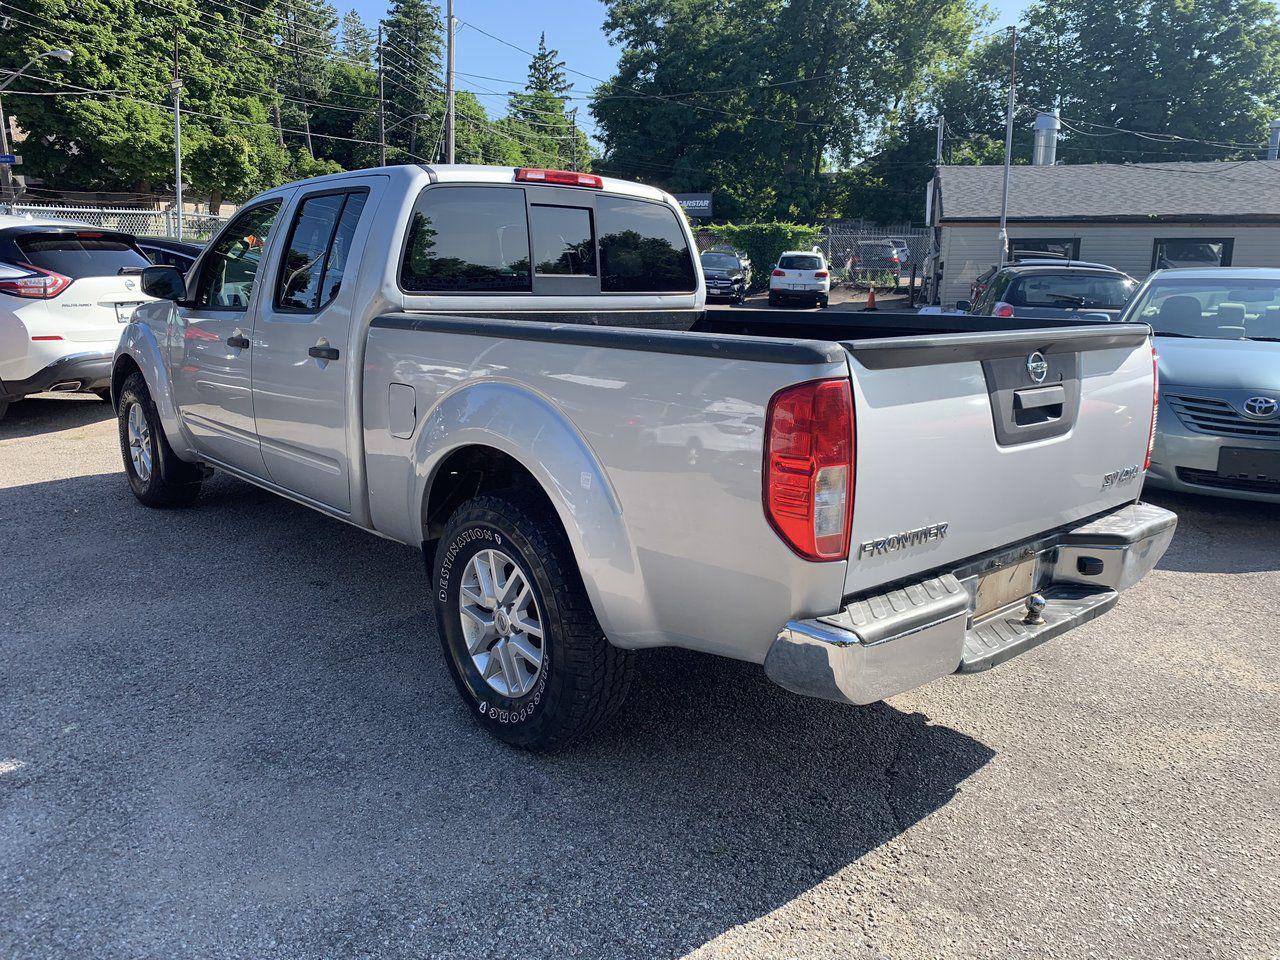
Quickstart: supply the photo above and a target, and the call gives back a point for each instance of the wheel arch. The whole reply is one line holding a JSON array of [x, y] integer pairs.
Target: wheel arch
[[487, 436], [140, 349]]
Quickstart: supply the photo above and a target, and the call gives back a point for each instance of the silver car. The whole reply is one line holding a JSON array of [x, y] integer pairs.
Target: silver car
[[1218, 339]]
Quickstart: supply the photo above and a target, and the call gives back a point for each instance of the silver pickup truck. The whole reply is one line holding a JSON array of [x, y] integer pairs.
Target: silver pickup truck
[[515, 370]]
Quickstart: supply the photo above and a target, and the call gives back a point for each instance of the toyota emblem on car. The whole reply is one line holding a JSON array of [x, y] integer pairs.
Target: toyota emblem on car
[[1261, 408], [1037, 367]]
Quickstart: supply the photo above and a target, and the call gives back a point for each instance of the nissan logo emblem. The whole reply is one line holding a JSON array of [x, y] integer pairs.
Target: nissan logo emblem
[[1037, 367], [1261, 407]]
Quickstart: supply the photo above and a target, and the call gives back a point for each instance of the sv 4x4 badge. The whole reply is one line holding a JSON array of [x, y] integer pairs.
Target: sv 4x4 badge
[[1117, 477]]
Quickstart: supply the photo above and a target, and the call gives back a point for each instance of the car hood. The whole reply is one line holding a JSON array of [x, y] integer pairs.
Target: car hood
[[1242, 364], [721, 275]]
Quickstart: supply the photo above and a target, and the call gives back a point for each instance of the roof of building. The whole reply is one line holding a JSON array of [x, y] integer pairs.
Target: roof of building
[[1220, 190]]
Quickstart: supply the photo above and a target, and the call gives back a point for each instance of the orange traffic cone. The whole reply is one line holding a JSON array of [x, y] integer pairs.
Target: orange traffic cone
[[871, 299]]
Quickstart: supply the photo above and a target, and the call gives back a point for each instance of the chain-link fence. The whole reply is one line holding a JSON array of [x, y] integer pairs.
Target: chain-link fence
[[863, 254], [140, 222]]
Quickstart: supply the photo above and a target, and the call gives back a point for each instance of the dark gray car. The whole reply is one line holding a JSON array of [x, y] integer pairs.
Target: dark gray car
[[1052, 292]]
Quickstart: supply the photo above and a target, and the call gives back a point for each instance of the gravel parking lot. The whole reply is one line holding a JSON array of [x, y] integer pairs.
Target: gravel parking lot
[[228, 732]]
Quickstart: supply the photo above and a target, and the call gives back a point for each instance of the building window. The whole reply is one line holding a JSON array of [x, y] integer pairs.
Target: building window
[[1170, 252], [1065, 247]]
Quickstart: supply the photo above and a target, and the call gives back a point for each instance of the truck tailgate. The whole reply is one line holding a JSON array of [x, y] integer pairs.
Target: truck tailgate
[[966, 444]]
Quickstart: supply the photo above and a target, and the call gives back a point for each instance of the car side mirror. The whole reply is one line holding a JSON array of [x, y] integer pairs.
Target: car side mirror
[[164, 282], [964, 306]]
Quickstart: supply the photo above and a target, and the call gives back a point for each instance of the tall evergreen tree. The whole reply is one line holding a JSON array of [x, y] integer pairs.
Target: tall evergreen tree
[[306, 50], [356, 39], [539, 118], [413, 44]]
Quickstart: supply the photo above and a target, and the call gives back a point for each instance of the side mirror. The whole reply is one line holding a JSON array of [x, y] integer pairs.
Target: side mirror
[[964, 306], [164, 282]]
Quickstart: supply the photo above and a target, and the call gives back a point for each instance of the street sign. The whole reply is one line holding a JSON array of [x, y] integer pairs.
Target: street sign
[[10, 160], [695, 204]]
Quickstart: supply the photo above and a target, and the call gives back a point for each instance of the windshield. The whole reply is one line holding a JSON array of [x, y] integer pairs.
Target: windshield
[[1218, 309], [1088, 290], [719, 261], [800, 262]]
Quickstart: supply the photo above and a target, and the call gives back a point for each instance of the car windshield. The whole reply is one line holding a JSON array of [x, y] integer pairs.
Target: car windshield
[[719, 261], [1096, 291], [800, 262], [1220, 308]]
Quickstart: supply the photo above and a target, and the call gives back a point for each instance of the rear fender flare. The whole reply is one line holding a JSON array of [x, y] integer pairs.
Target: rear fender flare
[[526, 426]]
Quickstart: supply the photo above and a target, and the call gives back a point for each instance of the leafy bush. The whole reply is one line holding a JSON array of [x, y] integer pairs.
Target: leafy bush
[[763, 242]]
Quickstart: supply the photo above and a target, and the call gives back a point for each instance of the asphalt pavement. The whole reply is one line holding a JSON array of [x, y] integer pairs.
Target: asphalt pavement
[[227, 731]]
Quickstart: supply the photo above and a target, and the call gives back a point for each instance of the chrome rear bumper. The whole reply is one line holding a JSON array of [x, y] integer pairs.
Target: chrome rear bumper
[[886, 643]]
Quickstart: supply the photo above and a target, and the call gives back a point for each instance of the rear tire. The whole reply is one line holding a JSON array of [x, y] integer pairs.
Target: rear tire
[[156, 475], [580, 679]]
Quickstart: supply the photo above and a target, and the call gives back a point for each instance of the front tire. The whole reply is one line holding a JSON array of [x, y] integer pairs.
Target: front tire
[[517, 628], [156, 475]]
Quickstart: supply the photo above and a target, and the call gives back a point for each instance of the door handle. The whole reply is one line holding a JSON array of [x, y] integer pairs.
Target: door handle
[[323, 353], [240, 343]]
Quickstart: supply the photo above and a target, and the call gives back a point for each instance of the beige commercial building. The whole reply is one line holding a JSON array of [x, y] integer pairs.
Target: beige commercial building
[[1135, 217]]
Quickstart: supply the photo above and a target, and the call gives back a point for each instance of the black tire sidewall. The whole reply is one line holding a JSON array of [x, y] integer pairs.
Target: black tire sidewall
[[135, 392], [522, 721]]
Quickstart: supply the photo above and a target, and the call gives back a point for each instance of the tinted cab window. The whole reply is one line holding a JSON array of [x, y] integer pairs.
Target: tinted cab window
[[642, 248], [464, 239], [319, 242]]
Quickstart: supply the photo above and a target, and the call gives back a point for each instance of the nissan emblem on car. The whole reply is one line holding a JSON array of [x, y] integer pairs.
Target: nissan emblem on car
[[1037, 367], [1261, 408]]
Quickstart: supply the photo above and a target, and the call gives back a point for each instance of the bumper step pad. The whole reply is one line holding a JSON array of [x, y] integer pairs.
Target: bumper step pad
[[1003, 636]]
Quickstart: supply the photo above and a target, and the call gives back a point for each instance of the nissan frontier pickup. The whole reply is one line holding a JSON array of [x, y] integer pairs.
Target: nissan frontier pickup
[[515, 370]]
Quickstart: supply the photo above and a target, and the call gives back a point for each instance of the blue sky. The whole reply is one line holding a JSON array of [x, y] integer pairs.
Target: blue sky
[[574, 28]]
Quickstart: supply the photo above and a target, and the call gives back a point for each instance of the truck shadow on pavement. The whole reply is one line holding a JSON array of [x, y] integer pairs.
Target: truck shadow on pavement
[[33, 416], [1219, 535], [235, 735]]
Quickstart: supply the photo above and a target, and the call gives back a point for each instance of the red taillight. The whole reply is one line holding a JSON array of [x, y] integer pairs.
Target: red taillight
[[39, 285], [808, 468], [1002, 310], [820, 274], [894, 259], [779, 273], [563, 178], [49, 337], [1155, 405]]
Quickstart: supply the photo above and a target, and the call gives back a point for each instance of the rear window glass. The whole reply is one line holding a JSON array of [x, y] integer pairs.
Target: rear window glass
[[642, 248], [468, 239], [562, 241], [795, 262], [1068, 290], [81, 255]]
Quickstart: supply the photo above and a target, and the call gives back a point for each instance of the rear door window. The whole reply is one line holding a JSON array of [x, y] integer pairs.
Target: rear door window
[[642, 248], [81, 254], [316, 254], [467, 239]]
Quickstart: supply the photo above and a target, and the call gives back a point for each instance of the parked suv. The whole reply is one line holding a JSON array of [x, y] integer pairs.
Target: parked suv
[[800, 275], [1052, 291], [66, 291], [872, 258], [728, 274]]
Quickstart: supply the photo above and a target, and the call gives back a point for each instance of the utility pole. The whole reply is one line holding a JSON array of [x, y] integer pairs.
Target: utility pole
[[177, 135], [8, 196], [1008, 144], [448, 86], [573, 138], [932, 252], [382, 108]]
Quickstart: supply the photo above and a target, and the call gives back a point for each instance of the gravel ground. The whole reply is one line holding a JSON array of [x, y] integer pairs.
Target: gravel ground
[[228, 732]]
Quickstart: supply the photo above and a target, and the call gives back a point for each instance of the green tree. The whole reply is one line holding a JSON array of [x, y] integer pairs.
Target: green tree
[[1196, 69], [356, 40], [413, 39], [756, 100], [307, 44], [538, 116]]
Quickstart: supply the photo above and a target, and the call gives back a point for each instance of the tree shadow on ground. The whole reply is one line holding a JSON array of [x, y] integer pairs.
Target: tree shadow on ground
[[237, 736]]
